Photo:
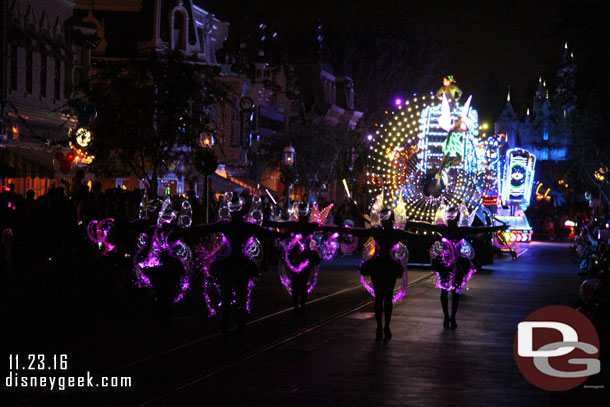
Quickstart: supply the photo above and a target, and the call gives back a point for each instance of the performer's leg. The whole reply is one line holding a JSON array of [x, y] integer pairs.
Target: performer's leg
[[445, 306], [455, 301], [377, 287], [388, 306], [442, 166], [303, 299], [303, 288], [295, 299], [378, 314], [241, 294], [456, 161], [226, 294]]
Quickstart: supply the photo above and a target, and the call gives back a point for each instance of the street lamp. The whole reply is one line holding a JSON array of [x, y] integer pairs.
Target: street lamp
[[289, 156], [207, 161], [287, 175], [206, 137]]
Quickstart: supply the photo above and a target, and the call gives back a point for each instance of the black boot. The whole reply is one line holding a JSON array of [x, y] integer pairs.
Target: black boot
[[388, 316], [445, 306], [378, 313], [455, 301]]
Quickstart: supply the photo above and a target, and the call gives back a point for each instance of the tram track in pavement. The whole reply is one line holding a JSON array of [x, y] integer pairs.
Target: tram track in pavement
[[274, 344], [218, 334], [187, 364]]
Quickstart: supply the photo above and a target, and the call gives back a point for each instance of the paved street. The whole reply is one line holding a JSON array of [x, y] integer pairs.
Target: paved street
[[423, 364], [332, 357]]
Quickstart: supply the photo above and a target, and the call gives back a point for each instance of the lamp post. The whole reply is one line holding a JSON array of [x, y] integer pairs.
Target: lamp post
[[287, 176], [207, 162]]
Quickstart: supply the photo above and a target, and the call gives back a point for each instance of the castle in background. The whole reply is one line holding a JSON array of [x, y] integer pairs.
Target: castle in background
[[546, 130]]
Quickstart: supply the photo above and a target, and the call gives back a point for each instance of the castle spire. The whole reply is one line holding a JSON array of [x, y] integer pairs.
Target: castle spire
[[567, 55]]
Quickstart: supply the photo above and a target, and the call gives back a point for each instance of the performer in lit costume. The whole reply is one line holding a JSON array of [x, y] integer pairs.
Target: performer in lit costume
[[236, 272], [387, 263], [300, 264], [161, 264], [451, 257]]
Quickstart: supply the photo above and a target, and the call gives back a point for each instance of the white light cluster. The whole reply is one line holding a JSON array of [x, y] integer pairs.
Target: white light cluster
[[408, 146]]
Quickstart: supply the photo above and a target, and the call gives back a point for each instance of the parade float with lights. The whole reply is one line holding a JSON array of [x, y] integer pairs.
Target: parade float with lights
[[415, 170], [507, 188], [515, 187]]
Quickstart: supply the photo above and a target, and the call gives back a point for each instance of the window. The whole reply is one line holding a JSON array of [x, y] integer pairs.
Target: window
[[234, 129], [179, 30], [28, 70], [545, 154], [57, 80], [545, 134], [14, 60], [43, 75], [81, 70], [202, 39]]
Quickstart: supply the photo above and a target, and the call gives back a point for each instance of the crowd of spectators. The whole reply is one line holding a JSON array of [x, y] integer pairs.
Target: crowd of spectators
[[590, 252]]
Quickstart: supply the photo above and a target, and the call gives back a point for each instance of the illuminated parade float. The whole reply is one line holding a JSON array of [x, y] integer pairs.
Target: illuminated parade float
[[410, 148], [428, 156], [515, 185], [507, 187]]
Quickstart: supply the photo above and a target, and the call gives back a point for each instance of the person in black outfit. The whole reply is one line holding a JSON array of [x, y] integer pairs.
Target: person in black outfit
[[461, 266], [299, 280], [234, 272], [382, 267]]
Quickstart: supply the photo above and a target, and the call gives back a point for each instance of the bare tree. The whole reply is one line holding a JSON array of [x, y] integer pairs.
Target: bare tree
[[150, 113], [384, 64], [319, 147]]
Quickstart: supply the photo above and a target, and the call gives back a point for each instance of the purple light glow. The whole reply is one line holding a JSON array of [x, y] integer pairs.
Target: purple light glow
[[253, 250], [302, 265], [398, 101], [449, 280], [313, 280], [329, 247], [366, 285], [251, 284], [143, 279], [398, 295], [211, 287], [348, 248], [97, 231], [286, 280]]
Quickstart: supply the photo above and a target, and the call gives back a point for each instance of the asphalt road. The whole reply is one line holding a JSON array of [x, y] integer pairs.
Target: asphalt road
[[331, 358]]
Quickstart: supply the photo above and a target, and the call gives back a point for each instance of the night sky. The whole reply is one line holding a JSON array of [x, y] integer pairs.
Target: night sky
[[488, 45]]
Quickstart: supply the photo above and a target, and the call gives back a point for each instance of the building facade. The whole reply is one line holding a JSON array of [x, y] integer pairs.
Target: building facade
[[546, 130], [45, 69]]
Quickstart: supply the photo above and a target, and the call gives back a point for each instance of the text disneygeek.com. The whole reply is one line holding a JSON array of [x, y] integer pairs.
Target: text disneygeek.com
[[19, 381]]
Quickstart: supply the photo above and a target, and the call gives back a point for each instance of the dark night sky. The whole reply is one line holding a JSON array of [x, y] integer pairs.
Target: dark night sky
[[489, 44], [515, 41]]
